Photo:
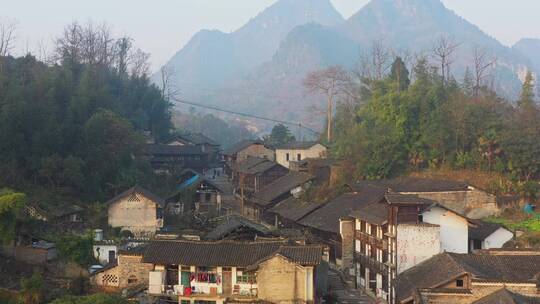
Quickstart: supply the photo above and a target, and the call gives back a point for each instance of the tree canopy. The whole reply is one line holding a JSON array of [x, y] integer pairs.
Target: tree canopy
[[76, 123], [400, 128], [10, 204], [279, 135]]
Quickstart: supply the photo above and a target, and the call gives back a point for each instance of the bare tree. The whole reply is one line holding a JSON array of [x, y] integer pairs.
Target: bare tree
[[330, 82], [7, 36], [69, 44], [168, 89], [482, 64], [139, 65], [123, 50], [443, 52], [375, 62]]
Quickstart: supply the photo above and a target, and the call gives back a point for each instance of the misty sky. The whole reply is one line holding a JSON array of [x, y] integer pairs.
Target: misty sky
[[161, 27]]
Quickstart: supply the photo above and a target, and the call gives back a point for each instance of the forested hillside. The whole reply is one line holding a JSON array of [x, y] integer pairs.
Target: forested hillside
[[75, 123], [399, 127]]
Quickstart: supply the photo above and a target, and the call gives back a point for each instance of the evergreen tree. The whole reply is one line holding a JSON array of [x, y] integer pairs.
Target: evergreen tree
[[399, 74], [527, 91], [280, 135], [468, 83]]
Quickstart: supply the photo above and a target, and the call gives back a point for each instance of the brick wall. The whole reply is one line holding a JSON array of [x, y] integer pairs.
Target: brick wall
[[130, 271]]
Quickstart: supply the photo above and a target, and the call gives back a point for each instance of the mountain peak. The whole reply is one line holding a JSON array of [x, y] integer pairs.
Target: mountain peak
[[290, 13]]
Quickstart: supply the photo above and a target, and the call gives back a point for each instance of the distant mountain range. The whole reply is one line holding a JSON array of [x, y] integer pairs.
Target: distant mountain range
[[259, 68]]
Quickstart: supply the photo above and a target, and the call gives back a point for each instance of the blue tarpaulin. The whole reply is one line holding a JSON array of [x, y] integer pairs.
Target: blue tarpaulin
[[188, 183]]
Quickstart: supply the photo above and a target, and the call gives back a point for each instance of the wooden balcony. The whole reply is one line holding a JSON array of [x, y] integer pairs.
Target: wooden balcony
[[372, 240], [372, 263]]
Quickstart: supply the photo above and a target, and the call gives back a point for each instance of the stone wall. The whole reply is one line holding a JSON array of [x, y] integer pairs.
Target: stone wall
[[280, 281], [474, 203], [29, 255]]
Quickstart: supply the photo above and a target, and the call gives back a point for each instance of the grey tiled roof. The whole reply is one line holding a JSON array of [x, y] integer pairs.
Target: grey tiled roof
[[282, 185], [327, 217], [294, 209], [158, 149], [297, 145], [376, 213], [241, 145], [505, 296], [481, 230], [233, 223], [227, 253], [483, 267], [255, 165]]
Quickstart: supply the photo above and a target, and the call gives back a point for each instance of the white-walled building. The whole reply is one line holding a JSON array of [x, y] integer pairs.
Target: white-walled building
[[136, 210], [299, 150], [484, 235], [395, 234]]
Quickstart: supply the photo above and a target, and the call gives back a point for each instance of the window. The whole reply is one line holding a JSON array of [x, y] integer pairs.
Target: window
[[420, 218], [246, 277], [459, 283], [477, 244], [287, 156], [132, 279], [299, 157]]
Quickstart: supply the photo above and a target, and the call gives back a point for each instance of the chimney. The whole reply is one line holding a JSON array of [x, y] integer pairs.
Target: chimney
[[346, 229]]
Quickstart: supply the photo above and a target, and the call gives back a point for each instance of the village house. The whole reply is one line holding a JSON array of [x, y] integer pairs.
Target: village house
[[126, 271], [297, 151], [461, 197], [244, 149], [228, 271], [389, 236], [323, 222], [136, 210], [238, 228], [167, 159], [292, 184], [253, 174], [195, 193], [325, 170], [483, 277], [31, 251], [287, 213], [484, 235], [207, 145], [54, 212]]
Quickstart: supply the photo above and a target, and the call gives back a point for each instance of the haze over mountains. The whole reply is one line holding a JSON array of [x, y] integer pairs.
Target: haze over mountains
[[259, 68]]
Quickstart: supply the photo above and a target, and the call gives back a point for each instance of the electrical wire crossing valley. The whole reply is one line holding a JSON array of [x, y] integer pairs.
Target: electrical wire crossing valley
[[296, 124]]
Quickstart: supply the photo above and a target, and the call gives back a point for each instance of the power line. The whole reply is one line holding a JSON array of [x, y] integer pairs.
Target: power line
[[297, 124]]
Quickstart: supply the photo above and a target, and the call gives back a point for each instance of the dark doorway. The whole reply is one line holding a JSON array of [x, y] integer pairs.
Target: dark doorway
[[112, 256]]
